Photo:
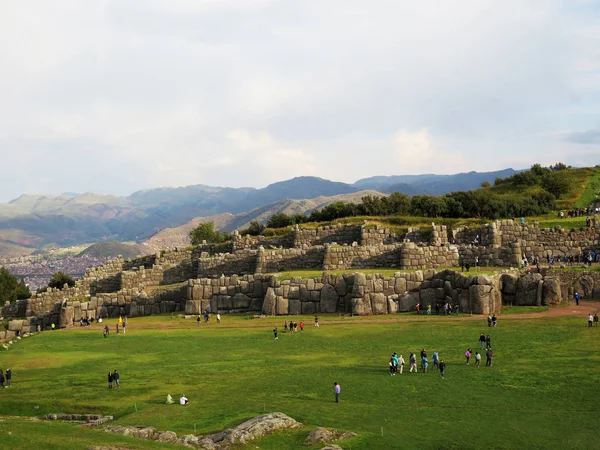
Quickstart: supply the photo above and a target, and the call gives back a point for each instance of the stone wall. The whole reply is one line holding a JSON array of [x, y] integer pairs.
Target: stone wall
[[378, 235], [340, 234], [509, 256], [271, 261], [414, 257], [239, 262], [358, 257]]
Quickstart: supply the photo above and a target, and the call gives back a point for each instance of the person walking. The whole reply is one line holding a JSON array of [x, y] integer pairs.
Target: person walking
[[401, 364], [316, 322], [423, 355], [413, 363], [110, 380], [489, 355], [275, 333], [285, 328], [218, 318], [482, 341], [106, 330], [124, 324], [198, 320], [489, 320], [442, 368], [117, 327], [418, 308], [396, 362], [468, 355], [577, 297], [1, 379], [425, 363], [8, 377], [301, 326], [116, 379], [392, 366], [488, 341], [436, 360], [429, 309], [590, 320], [336, 390], [477, 359], [596, 320], [494, 320]]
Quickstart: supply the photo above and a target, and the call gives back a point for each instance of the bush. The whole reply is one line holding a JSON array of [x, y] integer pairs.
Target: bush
[[206, 232], [59, 279], [254, 229], [12, 289]]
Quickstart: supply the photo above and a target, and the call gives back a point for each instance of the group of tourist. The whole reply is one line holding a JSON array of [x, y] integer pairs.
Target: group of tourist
[[121, 325], [592, 319], [578, 212], [113, 377], [397, 362], [447, 307], [5, 378], [206, 317]]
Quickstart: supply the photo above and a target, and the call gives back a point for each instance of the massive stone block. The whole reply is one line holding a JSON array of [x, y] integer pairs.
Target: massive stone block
[[527, 290], [269, 306], [379, 303], [329, 299]]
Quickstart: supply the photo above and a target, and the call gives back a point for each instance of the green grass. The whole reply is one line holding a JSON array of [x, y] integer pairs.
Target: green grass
[[386, 271], [592, 185], [539, 394]]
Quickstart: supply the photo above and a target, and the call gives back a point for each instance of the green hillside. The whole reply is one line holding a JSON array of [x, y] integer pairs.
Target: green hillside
[[111, 249]]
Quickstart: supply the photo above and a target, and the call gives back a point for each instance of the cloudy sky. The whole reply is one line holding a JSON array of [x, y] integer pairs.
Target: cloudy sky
[[116, 96]]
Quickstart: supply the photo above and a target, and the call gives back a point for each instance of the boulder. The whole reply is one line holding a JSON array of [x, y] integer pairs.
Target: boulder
[[15, 325], [269, 306], [66, 317], [320, 434], [282, 305], [241, 301], [295, 307], [361, 307], [137, 432], [329, 299], [167, 436], [255, 428], [192, 307], [480, 298], [408, 302], [585, 286], [527, 290], [551, 293], [379, 303], [392, 304]]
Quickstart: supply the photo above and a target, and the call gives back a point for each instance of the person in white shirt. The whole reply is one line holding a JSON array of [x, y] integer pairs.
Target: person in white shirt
[[218, 318], [590, 320], [183, 400]]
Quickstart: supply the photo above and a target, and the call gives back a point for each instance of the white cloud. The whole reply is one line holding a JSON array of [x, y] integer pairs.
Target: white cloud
[[120, 95]]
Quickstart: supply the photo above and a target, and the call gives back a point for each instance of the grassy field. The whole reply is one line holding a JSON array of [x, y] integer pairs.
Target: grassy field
[[541, 392], [387, 271]]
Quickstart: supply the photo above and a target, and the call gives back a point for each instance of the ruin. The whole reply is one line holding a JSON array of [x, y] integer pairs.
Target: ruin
[[237, 276]]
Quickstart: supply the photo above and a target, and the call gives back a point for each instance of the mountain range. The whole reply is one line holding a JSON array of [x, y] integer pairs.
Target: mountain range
[[33, 222]]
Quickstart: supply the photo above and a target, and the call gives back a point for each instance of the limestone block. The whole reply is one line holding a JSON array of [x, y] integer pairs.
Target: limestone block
[[282, 305], [269, 306], [328, 299], [191, 307], [309, 307], [379, 303], [408, 302], [294, 307], [15, 325]]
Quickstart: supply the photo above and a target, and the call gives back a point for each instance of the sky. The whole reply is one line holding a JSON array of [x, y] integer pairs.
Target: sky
[[117, 96]]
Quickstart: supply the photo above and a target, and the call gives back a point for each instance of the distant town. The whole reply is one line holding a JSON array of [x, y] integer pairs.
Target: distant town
[[37, 270]]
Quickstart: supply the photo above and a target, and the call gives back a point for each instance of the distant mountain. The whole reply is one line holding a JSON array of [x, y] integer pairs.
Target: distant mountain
[[432, 184], [179, 236], [32, 222]]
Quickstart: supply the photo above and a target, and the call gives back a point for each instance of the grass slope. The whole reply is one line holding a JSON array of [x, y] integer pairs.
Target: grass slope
[[111, 249], [539, 394]]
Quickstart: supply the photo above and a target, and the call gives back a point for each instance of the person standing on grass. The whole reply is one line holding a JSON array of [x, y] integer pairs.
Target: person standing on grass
[[423, 355], [577, 297], [124, 324], [413, 362], [285, 326], [489, 320], [218, 318], [429, 309], [442, 368], [1, 379], [425, 363], [110, 380], [482, 341], [468, 355], [316, 322], [488, 341], [116, 379], [489, 355], [301, 326], [590, 320], [106, 330], [418, 308], [477, 359], [596, 320], [436, 360], [494, 320], [401, 363], [392, 367], [198, 320], [8, 377], [275, 333], [336, 390]]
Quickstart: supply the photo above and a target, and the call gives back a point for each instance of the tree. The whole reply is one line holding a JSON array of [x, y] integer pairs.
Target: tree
[[556, 182], [59, 279], [279, 220], [254, 229], [485, 184], [396, 203], [206, 232], [10, 288]]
